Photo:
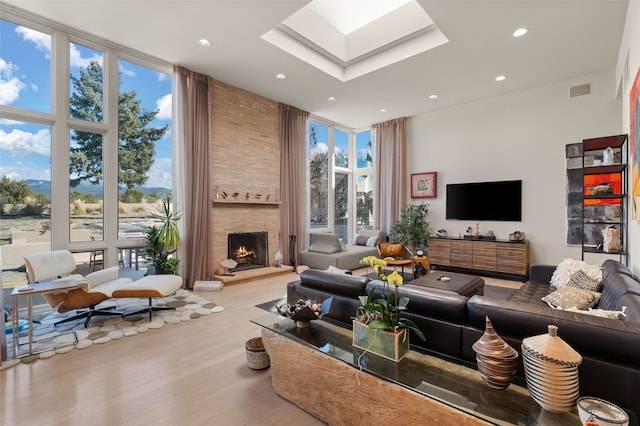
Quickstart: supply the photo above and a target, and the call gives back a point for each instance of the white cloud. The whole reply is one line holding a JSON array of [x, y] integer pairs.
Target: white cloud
[[41, 40], [6, 122], [22, 171], [34, 87], [160, 173], [125, 71], [19, 142], [320, 147], [76, 59], [10, 85], [163, 77], [164, 107]]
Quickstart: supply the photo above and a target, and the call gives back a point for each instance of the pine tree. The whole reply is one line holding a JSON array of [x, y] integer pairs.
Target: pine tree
[[137, 140]]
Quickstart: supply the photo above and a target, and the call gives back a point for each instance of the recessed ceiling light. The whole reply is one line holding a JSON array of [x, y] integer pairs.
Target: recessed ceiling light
[[281, 76], [433, 96], [501, 78], [520, 32], [204, 42], [331, 99], [383, 110]]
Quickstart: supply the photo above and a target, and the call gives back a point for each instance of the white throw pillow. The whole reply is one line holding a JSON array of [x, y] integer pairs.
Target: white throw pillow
[[372, 241], [603, 313], [568, 267]]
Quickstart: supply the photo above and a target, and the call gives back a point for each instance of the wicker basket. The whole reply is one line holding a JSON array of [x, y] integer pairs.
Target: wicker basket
[[551, 371], [257, 357]]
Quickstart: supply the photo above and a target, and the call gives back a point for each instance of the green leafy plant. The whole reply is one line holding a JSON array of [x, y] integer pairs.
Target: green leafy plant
[[384, 313], [162, 241], [412, 228]]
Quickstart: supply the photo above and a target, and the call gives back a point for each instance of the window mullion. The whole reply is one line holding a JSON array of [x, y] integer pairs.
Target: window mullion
[[110, 152], [60, 141]]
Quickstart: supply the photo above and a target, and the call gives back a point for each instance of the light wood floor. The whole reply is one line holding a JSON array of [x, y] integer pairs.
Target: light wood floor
[[185, 374]]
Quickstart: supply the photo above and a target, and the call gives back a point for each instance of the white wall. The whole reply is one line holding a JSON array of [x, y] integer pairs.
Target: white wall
[[518, 136], [630, 43]]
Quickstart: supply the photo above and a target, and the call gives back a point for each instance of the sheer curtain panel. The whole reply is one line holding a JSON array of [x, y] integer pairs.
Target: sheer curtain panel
[[293, 178], [390, 165], [191, 172]]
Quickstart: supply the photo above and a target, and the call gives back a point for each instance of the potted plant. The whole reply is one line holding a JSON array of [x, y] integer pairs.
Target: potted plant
[[412, 228], [162, 241], [377, 326]]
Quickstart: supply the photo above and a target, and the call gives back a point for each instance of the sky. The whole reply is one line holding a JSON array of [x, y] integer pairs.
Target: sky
[[341, 143], [25, 82]]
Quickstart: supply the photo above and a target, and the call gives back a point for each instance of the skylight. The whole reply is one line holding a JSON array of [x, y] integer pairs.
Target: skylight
[[347, 39]]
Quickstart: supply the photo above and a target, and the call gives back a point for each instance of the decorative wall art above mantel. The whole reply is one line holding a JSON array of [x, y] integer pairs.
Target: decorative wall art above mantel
[[424, 185]]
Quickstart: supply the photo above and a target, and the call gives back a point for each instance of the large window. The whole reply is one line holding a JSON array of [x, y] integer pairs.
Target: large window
[[81, 166], [319, 175], [341, 184], [364, 180]]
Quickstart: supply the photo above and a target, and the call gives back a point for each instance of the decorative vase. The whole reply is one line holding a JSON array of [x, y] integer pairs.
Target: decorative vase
[[551, 371], [497, 361], [386, 344]]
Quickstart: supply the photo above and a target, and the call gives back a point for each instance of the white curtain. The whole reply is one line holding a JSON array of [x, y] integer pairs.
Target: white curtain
[[390, 168]]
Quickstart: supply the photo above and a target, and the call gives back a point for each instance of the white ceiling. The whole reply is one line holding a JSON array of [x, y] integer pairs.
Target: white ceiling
[[566, 39]]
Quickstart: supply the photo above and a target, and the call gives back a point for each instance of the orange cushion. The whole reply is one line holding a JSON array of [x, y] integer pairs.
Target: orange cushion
[[391, 250]]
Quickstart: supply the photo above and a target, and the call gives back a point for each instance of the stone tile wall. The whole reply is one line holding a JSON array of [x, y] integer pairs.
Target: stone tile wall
[[245, 158]]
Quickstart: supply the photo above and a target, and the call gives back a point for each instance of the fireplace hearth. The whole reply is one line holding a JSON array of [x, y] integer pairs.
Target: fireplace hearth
[[249, 249]]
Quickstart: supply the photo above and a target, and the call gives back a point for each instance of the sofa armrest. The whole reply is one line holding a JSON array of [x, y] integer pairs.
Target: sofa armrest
[[103, 276], [334, 282], [603, 338], [541, 273]]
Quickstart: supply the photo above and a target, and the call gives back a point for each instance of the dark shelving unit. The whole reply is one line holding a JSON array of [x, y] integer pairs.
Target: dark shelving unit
[[595, 207]]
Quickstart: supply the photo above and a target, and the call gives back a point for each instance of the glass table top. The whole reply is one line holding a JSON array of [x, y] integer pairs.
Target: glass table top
[[453, 384]]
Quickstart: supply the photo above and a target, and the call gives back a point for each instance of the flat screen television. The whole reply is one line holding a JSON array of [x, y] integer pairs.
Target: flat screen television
[[499, 201]]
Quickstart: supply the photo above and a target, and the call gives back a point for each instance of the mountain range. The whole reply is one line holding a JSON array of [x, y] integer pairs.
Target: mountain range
[[44, 187]]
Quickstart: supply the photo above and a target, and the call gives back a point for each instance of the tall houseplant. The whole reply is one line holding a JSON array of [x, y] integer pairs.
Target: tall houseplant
[[163, 241], [412, 229]]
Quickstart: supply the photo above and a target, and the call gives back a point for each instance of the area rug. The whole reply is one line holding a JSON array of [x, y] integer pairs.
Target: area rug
[[50, 340]]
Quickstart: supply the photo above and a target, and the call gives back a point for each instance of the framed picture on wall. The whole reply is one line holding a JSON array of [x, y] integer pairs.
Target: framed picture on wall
[[424, 185]]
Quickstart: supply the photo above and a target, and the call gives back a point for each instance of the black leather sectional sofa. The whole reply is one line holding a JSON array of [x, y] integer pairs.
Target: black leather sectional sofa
[[452, 323]]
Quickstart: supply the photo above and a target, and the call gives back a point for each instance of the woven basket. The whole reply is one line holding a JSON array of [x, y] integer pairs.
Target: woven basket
[[257, 357], [551, 371]]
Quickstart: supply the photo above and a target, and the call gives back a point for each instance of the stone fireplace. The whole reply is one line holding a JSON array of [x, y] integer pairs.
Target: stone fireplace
[[244, 159], [249, 249]]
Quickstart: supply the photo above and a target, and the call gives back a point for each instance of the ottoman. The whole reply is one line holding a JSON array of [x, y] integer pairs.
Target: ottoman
[[149, 287], [463, 284]]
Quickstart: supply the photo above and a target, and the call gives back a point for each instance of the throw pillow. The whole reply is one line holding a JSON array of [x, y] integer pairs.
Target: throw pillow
[[581, 280], [343, 246], [569, 297], [372, 241], [361, 240], [603, 313], [565, 270]]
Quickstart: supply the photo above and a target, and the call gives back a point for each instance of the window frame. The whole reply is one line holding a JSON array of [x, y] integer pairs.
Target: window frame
[[61, 125], [352, 171]]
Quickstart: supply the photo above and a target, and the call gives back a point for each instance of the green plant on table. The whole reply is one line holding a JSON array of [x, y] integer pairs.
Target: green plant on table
[[383, 313]]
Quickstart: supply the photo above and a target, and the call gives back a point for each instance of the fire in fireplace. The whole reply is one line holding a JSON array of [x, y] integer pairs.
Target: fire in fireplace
[[249, 249]]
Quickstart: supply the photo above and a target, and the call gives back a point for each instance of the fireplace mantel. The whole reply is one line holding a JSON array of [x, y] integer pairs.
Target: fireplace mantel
[[256, 202]]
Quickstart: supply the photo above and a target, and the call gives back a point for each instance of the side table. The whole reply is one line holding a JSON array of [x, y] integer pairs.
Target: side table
[[424, 260], [29, 291]]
